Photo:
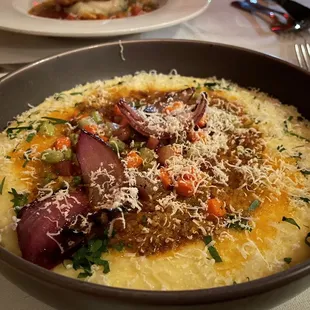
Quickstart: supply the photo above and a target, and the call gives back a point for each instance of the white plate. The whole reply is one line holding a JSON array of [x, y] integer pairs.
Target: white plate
[[14, 17]]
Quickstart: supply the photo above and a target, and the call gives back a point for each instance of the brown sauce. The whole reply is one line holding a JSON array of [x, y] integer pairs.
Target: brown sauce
[[51, 10], [155, 230]]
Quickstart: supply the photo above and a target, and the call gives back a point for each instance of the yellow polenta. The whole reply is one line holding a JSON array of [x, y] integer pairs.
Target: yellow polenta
[[279, 221]]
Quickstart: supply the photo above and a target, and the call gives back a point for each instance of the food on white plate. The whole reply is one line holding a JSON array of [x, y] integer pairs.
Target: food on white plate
[[92, 10], [157, 182]]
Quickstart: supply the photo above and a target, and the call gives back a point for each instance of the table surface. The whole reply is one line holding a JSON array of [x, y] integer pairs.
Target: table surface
[[220, 23]]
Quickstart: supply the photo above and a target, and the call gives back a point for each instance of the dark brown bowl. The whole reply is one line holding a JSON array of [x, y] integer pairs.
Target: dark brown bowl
[[191, 58]]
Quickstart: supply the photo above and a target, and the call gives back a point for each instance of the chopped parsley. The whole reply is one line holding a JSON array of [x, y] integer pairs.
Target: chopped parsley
[[307, 239], [90, 255], [211, 85], [288, 260], [76, 93], [77, 180], [119, 246], [144, 220], [297, 155], [25, 163], [286, 130], [254, 205], [1, 185], [290, 221], [58, 96], [30, 137], [305, 172], [305, 199], [238, 224], [212, 250], [19, 200], [12, 132], [56, 121], [281, 148]]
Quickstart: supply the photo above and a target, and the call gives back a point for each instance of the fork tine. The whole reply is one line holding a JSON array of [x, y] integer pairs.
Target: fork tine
[[308, 49], [305, 55], [299, 56]]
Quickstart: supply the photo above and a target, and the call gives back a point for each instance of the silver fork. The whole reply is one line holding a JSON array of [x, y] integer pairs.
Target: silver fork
[[303, 55]]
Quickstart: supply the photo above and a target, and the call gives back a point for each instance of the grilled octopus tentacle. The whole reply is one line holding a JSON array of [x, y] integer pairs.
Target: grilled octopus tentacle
[[139, 124]]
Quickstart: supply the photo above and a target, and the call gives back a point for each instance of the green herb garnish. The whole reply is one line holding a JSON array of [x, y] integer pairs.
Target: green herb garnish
[[290, 220], [1, 185], [227, 87], [210, 85], [25, 163], [13, 131], [89, 255], [306, 239], [281, 148], [212, 250], [30, 137], [56, 121], [119, 246], [19, 200], [238, 224], [286, 130], [76, 93], [305, 172], [305, 199], [77, 180], [288, 260], [58, 96], [297, 155], [254, 205], [83, 275], [144, 220]]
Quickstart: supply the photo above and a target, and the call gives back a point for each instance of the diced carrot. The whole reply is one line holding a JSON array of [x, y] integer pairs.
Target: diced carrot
[[71, 17], [104, 138], [134, 160], [90, 128], [166, 179], [136, 10], [194, 136], [102, 16], [185, 185], [173, 107], [121, 14], [117, 111], [62, 142], [202, 122], [216, 208]]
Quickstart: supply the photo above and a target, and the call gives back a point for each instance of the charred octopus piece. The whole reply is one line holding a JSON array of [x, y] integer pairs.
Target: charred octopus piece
[[140, 124]]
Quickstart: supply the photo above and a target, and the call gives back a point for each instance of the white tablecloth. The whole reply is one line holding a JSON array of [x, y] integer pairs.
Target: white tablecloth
[[220, 23]]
